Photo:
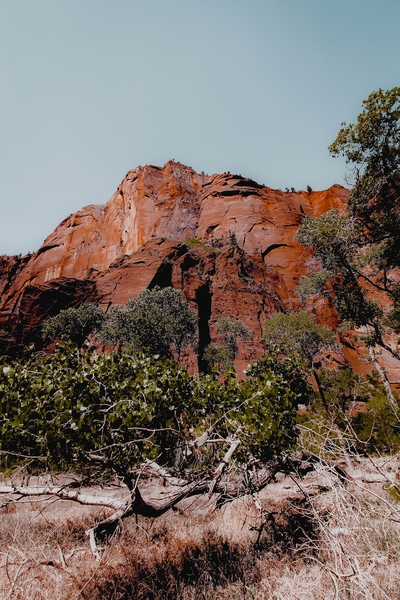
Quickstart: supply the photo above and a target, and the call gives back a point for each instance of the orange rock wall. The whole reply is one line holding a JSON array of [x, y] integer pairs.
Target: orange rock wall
[[170, 226], [175, 203]]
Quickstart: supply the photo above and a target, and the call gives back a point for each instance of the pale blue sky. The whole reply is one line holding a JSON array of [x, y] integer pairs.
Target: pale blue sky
[[90, 89]]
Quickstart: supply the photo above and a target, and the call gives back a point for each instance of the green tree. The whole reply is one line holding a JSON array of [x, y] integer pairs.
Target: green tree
[[74, 324], [224, 355], [377, 428], [157, 320], [371, 428], [356, 252], [337, 271], [372, 150], [299, 334], [341, 273], [75, 400]]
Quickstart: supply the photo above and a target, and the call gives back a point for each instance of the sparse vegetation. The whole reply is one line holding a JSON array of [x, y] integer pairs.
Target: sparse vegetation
[[224, 355], [233, 240], [291, 541], [196, 243]]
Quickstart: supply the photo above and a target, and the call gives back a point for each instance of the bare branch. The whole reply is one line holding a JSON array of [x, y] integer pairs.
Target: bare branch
[[234, 445], [154, 469], [64, 494]]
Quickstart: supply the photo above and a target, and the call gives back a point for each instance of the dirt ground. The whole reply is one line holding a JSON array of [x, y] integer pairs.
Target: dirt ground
[[306, 538]]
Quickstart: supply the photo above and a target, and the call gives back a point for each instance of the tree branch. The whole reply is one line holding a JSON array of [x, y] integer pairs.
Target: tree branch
[[64, 494]]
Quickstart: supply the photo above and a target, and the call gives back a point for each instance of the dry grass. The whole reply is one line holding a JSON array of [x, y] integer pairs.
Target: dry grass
[[344, 543]]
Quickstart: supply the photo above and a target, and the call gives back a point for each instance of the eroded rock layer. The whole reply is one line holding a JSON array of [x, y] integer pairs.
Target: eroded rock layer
[[226, 241]]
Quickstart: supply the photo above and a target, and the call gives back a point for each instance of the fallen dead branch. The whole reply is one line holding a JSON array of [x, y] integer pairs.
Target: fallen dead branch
[[225, 481], [203, 470]]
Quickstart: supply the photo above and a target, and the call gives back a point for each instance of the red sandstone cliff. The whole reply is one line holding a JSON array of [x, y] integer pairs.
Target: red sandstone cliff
[[170, 226]]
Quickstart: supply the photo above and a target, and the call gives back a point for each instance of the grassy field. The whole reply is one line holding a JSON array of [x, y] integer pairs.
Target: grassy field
[[300, 539]]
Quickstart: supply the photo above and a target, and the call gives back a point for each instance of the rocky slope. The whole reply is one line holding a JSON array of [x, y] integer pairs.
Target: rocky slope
[[226, 241]]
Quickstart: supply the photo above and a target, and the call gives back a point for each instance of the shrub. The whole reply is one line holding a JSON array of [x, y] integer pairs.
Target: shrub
[[157, 320], [136, 406], [74, 324]]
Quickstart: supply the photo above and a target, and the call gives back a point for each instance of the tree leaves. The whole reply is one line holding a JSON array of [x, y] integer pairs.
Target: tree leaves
[[223, 356], [134, 406], [298, 333], [372, 148], [355, 253], [157, 320], [74, 324]]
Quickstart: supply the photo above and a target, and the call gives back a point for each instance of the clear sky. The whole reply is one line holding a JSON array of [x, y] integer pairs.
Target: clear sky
[[90, 89]]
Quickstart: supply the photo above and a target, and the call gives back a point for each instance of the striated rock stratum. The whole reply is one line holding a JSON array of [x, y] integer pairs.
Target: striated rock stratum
[[226, 241]]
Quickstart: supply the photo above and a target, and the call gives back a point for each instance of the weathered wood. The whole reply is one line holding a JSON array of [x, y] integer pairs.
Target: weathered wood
[[227, 483]]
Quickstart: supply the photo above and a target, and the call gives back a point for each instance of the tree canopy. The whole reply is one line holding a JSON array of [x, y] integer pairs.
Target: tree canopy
[[74, 399], [356, 251], [156, 319], [74, 324], [298, 333], [372, 149], [224, 355], [338, 272]]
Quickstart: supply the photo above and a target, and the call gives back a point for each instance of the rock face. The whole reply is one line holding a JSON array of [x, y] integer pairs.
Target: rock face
[[226, 241]]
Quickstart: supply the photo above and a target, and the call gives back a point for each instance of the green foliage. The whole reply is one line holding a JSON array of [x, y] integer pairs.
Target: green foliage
[[229, 326], [356, 252], [374, 141], [336, 274], [157, 320], [196, 243], [372, 148], [134, 406], [224, 355], [298, 334], [392, 319], [76, 400], [219, 356], [377, 428], [74, 324], [332, 236], [274, 387], [374, 430], [344, 387], [233, 240]]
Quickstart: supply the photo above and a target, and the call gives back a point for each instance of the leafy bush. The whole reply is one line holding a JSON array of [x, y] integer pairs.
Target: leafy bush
[[196, 243], [298, 333], [74, 324], [372, 427], [157, 320], [378, 428], [224, 355], [137, 406]]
